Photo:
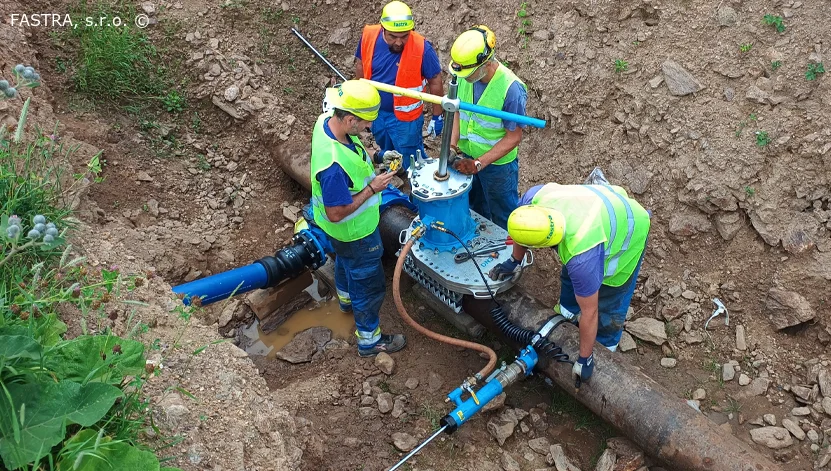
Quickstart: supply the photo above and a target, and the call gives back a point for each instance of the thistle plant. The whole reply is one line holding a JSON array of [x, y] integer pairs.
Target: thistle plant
[[24, 76], [42, 234]]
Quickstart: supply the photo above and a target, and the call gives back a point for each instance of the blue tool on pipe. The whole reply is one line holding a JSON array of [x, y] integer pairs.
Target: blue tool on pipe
[[517, 118]]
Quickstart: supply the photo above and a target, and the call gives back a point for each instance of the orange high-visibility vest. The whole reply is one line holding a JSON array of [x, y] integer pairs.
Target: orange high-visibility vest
[[409, 71]]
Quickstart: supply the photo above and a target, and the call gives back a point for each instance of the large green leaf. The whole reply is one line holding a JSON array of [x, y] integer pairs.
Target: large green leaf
[[42, 411], [106, 455], [13, 347], [96, 358]]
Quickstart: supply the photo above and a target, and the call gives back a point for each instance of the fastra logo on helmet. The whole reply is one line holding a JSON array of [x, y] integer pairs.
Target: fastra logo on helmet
[[400, 24]]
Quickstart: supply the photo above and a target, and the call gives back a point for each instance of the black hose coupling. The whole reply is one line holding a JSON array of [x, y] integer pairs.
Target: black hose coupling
[[290, 261]]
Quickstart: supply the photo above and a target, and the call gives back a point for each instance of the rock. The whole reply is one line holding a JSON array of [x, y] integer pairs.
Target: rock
[[679, 81], [803, 393], [824, 380], [502, 426], [728, 225], [541, 35], [607, 461], [153, 207], [728, 372], [228, 109], [689, 224], [340, 36], [557, 457], [231, 93], [769, 419], [508, 462], [385, 402], [787, 308], [741, 342], [757, 387], [772, 437], [669, 362], [351, 442], [647, 329], [744, 380], [228, 313], [628, 455], [385, 363], [404, 441], [434, 382], [800, 411], [305, 344], [726, 16], [826, 405], [148, 8], [367, 401], [214, 69], [627, 342], [495, 403], [411, 383], [757, 95], [172, 412], [143, 176], [398, 408], [792, 427], [699, 394], [292, 213], [729, 93], [656, 81], [539, 445]]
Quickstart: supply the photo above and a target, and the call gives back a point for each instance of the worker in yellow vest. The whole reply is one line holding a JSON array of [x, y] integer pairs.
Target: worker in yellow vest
[[346, 196], [489, 144], [599, 235], [392, 53]]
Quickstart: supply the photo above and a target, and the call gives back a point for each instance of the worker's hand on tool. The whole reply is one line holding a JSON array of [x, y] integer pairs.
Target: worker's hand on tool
[[509, 269], [435, 126], [466, 166], [380, 182], [583, 368]]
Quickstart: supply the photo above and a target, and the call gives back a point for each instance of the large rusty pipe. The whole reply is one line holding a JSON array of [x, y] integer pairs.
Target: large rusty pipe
[[663, 425]]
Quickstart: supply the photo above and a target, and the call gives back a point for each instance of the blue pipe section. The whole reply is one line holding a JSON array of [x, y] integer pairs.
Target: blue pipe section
[[468, 408], [537, 123], [220, 286]]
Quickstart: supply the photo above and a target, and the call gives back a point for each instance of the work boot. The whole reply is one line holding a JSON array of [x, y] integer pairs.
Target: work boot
[[387, 343], [345, 308]]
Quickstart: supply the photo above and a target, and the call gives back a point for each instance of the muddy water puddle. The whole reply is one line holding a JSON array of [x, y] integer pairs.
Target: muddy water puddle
[[324, 313]]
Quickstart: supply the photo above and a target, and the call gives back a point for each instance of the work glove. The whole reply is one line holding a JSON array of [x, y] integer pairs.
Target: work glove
[[466, 166], [583, 369], [390, 156], [435, 126], [509, 269]]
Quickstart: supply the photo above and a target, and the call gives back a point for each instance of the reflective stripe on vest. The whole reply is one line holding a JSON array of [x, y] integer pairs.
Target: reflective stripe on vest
[[479, 133], [408, 74], [325, 152], [611, 268]]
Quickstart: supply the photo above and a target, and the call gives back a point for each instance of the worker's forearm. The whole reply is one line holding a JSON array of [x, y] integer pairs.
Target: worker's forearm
[[454, 138], [437, 109], [436, 86], [519, 252], [588, 332], [359, 69], [338, 213], [501, 148]]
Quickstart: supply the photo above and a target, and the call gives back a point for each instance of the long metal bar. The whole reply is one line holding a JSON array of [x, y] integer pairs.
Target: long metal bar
[[319, 55], [435, 99], [449, 117], [412, 453]]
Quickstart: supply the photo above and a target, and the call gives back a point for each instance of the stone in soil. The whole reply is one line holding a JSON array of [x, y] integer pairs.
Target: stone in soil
[[404, 441], [648, 329], [741, 342], [411, 383], [557, 457], [728, 372], [539, 445], [627, 342], [502, 426], [689, 224], [699, 394], [434, 382], [495, 403], [792, 427], [678, 80], [508, 462], [787, 308], [669, 362], [304, 345], [607, 461], [757, 387], [826, 405], [769, 419], [744, 380], [824, 380], [385, 402], [385, 363], [772, 437]]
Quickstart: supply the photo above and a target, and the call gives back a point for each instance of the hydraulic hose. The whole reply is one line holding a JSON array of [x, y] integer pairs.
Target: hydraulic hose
[[396, 294]]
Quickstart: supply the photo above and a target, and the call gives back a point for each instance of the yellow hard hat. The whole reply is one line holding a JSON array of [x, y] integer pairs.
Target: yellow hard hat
[[397, 17], [536, 226], [471, 49], [356, 97]]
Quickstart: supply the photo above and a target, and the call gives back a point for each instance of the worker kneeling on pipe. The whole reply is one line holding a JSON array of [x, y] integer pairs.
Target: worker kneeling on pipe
[[599, 234], [346, 196]]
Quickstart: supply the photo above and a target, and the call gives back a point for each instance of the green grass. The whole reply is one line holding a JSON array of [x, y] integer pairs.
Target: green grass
[[775, 21], [746, 47], [774, 65], [432, 414], [621, 66], [762, 138], [119, 64], [814, 69]]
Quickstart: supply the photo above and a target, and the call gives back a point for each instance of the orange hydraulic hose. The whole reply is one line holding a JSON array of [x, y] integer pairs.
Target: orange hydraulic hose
[[396, 294]]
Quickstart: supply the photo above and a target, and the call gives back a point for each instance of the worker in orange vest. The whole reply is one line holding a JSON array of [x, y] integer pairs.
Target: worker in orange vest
[[392, 53]]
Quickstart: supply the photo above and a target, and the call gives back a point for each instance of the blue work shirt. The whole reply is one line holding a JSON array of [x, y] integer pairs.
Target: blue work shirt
[[334, 182], [585, 269], [515, 101], [385, 66]]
